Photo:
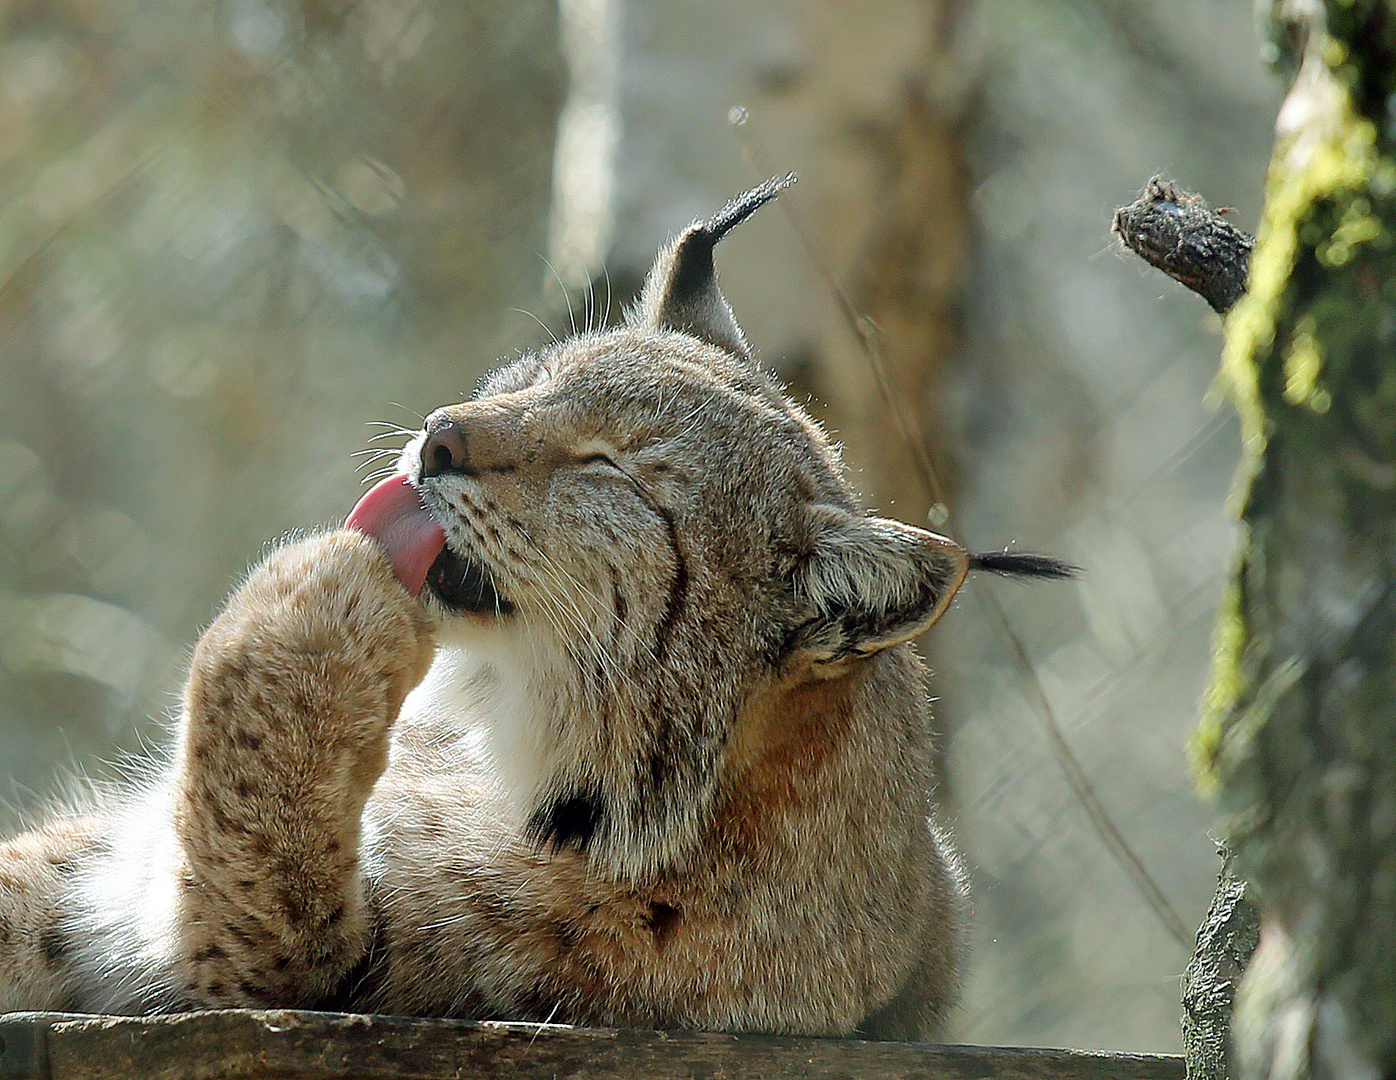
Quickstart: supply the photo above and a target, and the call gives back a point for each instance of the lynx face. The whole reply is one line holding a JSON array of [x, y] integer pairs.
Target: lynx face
[[627, 501], [647, 536]]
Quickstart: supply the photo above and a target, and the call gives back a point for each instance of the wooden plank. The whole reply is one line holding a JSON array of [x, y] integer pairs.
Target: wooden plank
[[284, 1045]]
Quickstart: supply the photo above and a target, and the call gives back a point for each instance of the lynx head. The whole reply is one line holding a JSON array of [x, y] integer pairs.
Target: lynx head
[[642, 536]]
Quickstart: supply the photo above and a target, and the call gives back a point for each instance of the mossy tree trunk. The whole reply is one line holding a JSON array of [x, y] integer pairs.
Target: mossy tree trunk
[[1301, 743]]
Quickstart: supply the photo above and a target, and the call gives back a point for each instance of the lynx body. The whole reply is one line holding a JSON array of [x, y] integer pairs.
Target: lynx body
[[613, 722]]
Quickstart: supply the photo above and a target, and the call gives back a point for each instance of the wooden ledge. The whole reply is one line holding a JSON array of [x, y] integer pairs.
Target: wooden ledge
[[282, 1045]]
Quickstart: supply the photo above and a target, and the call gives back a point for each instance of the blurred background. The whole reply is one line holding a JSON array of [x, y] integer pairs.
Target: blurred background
[[236, 233]]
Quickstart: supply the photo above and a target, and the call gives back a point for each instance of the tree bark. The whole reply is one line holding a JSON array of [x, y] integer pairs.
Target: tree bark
[[1225, 943], [1300, 741], [239, 1044]]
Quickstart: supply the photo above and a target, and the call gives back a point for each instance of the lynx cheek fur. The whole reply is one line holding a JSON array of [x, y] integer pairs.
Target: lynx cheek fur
[[603, 712]]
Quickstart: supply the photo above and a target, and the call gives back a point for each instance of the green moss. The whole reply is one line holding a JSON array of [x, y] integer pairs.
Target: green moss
[[1223, 691], [1358, 225], [1302, 363], [1328, 199], [1338, 173]]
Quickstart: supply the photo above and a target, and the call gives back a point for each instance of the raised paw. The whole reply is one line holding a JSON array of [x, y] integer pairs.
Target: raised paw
[[291, 695], [322, 628]]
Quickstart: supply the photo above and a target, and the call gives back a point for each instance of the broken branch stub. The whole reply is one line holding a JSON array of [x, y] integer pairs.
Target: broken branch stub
[[1177, 232]]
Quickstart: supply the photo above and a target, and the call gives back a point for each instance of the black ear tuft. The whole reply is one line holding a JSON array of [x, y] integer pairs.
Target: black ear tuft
[[744, 205], [1023, 565], [681, 290]]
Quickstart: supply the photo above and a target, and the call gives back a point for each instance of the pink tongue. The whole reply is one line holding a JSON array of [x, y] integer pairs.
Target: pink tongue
[[392, 513]]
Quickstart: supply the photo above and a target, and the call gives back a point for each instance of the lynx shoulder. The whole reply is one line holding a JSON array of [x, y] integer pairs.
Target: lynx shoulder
[[601, 710]]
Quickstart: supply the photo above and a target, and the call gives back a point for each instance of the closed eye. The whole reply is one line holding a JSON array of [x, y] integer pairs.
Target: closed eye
[[595, 452]]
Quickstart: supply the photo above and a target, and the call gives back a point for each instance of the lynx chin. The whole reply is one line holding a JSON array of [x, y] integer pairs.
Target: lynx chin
[[601, 710]]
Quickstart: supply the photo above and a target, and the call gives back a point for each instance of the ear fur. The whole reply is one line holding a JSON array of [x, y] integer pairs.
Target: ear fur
[[872, 583], [681, 290]]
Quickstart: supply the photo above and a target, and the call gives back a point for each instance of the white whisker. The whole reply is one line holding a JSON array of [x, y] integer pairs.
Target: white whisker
[[540, 322], [566, 296], [377, 457], [380, 474]]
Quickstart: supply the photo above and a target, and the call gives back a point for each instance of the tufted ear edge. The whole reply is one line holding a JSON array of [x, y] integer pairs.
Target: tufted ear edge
[[681, 290], [870, 583]]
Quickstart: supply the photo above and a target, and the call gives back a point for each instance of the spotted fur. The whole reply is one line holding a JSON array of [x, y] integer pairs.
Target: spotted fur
[[662, 758]]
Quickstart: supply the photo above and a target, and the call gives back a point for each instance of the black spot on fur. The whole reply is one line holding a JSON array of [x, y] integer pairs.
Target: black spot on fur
[[567, 934], [567, 820], [619, 605], [209, 952], [293, 904], [662, 919], [221, 821], [494, 909], [54, 943], [247, 740], [244, 936], [659, 769]]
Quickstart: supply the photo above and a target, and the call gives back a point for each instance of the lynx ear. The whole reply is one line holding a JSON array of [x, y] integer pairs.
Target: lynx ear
[[873, 582], [681, 290]]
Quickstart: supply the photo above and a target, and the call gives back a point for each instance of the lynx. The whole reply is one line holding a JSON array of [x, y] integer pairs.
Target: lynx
[[601, 710]]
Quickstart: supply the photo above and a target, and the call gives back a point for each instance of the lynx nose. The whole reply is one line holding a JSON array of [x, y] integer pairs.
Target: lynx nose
[[445, 449]]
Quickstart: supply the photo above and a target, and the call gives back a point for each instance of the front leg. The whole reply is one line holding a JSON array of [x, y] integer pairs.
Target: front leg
[[291, 695]]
